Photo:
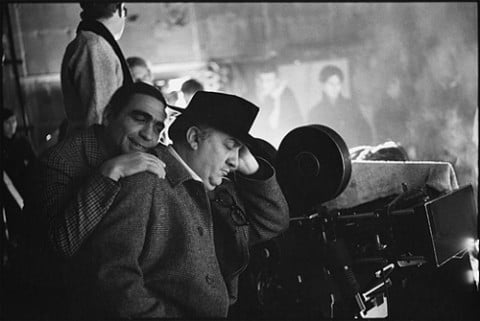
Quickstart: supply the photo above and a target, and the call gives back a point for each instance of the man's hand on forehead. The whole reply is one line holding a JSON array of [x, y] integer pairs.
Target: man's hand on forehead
[[247, 164]]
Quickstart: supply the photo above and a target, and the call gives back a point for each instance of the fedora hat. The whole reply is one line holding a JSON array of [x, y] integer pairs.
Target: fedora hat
[[230, 114]]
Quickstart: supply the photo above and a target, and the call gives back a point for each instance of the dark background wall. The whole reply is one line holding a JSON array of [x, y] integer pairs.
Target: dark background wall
[[426, 43]]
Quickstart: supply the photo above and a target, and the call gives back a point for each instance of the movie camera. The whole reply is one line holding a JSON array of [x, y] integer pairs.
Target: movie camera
[[340, 263]]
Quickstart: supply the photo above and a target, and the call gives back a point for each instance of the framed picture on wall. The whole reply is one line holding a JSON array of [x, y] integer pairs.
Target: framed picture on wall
[[304, 79]]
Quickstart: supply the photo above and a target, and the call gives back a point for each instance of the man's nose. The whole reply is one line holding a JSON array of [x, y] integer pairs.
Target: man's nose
[[147, 132]]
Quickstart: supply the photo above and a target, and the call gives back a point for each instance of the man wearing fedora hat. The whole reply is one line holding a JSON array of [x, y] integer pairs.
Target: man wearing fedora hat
[[175, 247]]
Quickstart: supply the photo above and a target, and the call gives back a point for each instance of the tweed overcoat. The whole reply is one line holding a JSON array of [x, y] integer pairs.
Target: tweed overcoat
[[153, 255], [91, 72]]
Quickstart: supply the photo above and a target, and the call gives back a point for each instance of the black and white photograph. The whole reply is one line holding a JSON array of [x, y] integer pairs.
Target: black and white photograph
[[239, 161]]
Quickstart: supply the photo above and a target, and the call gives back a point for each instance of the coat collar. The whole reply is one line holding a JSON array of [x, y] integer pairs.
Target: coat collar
[[189, 169], [176, 173], [102, 31]]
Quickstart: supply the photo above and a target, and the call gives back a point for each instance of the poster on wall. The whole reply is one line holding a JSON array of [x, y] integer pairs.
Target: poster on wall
[[303, 79]]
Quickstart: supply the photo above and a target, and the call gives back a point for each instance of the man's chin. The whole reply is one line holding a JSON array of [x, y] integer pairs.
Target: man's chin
[[210, 186]]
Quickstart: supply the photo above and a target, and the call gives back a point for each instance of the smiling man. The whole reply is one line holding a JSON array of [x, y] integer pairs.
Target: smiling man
[[75, 182], [174, 247], [79, 177]]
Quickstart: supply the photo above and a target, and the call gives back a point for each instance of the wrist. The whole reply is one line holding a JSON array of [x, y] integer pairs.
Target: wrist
[[250, 169], [264, 170], [110, 171]]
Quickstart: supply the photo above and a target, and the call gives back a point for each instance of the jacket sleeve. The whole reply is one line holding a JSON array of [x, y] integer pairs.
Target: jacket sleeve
[[117, 246], [97, 73], [72, 208], [264, 202]]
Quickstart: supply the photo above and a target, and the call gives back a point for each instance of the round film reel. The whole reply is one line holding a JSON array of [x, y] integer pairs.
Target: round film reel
[[313, 166]]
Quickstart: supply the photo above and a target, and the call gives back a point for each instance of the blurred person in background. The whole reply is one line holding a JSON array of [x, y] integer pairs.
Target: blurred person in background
[[140, 70], [393, 112], [17, 154], [182, 98], [212, 78], [445, 111], [189, 88], [93, 65], [338, 112], [279, 111]]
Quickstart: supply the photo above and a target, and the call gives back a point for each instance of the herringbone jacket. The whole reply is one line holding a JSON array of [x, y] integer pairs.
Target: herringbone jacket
[[67, 200], [153, 255]]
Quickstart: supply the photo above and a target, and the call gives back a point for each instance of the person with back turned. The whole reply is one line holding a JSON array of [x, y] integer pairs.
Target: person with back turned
[[93, 65]]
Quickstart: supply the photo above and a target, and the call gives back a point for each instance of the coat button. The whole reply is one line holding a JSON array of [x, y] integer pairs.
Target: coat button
[[200, 230], [209, 279]]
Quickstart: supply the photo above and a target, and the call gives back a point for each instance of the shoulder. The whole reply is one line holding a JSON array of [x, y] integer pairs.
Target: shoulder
[[143, 178], [71, 149], [143, 187], [90, 39], [142, 182], [87, 41]]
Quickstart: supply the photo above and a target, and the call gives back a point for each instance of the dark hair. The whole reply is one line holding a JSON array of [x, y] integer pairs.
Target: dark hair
[[191, 86], [123, 95], [181, 124], [329, 71], [137, 61], [96, 10], [177, 130]]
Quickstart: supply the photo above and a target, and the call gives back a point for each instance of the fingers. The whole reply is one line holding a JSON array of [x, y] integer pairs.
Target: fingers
[[152, 164], [244, 154], [247, 164], [133, 163], [155, 166], [157, 170]]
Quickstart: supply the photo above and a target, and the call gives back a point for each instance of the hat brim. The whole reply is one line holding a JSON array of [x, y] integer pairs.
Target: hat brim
[[179, 109], [246, 139]]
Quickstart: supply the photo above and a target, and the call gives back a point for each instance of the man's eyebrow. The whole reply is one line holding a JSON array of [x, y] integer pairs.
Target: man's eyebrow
[[141, 113]]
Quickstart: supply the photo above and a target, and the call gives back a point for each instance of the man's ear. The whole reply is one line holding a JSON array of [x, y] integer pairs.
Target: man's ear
[[193, 136]]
